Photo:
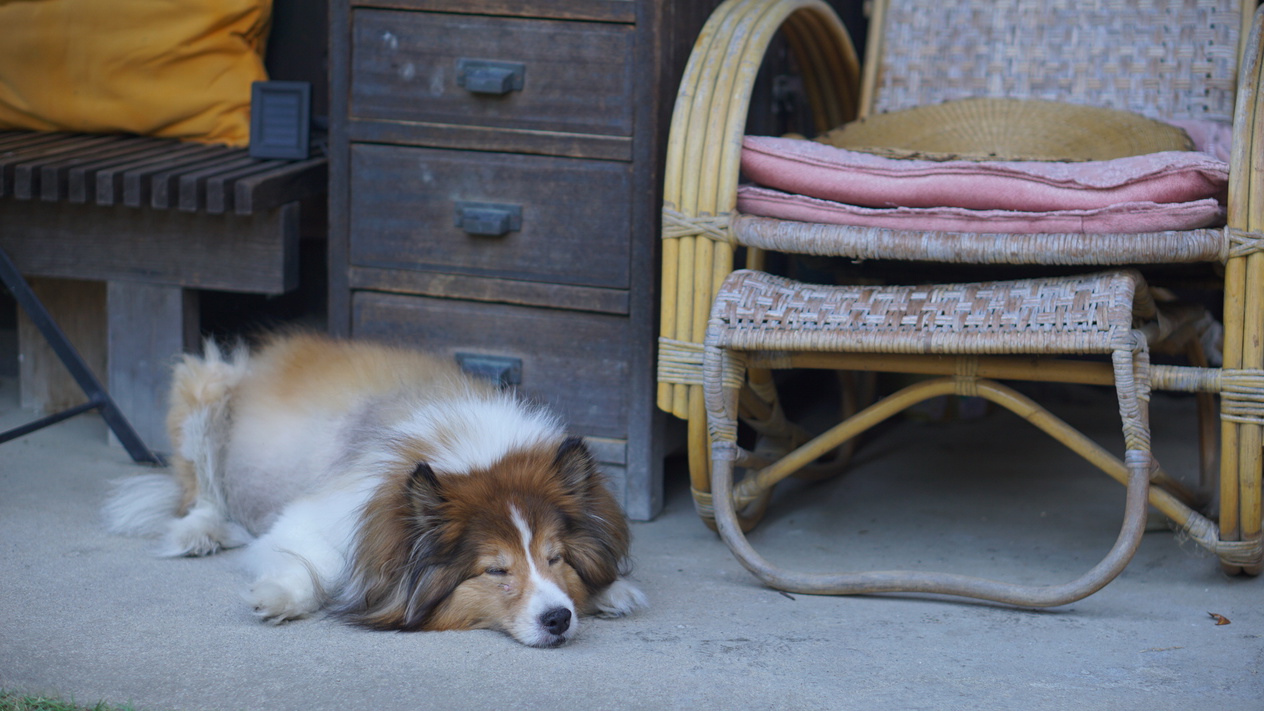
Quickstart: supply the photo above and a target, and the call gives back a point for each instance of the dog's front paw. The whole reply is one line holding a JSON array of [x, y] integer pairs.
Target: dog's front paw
[[621, 598], [275, 601]]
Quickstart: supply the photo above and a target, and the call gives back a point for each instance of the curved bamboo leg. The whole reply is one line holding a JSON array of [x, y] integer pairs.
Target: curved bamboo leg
[[936, 583], [751, 513], [723, 378], [1138, 462]]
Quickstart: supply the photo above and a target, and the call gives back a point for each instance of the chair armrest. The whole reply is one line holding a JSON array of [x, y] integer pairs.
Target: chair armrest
[[704, 144]]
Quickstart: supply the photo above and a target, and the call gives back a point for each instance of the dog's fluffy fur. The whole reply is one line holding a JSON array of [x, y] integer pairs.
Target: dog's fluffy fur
[[387, 486]]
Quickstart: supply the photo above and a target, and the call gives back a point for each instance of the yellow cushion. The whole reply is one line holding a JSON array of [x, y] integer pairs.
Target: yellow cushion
[[170, 68]]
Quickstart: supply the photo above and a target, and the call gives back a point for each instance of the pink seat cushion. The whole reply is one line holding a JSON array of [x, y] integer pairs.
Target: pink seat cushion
[[1123, 218], [842, 176]]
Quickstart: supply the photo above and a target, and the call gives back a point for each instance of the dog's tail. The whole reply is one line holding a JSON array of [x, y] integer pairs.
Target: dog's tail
[[142, 505], [189, 506]]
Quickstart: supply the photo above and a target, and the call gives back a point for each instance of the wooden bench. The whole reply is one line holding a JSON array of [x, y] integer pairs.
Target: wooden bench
[[118, 234]]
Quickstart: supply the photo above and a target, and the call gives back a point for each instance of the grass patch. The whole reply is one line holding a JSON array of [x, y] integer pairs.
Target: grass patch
[[10, 701]]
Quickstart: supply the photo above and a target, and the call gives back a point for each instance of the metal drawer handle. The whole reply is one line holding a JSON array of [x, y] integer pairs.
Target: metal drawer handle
[[488, 219], [481, 76], [501, 370]]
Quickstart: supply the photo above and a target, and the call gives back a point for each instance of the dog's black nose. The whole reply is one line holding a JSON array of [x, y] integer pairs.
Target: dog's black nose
[[557, 620]]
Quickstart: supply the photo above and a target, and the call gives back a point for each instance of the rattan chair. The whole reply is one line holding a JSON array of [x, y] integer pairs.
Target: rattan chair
[[723, 332]]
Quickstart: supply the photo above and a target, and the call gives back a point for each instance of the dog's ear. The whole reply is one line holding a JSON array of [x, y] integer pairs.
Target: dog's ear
[[403, 566], [425, 492], [575, 465], [598, 546], [435, 568]]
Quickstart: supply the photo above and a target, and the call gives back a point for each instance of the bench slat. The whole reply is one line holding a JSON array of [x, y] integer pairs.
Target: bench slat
[[28, 174], [54, 174], [22, 156], [81, 180], [188, 193], [218, 190], [139, 186], [111, 181], [293, 181]]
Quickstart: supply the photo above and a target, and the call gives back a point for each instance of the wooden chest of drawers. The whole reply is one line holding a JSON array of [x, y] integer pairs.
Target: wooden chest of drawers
[[496, 172]]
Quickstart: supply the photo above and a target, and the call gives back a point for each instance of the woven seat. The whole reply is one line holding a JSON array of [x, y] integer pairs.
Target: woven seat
[[724, 332], [1082, 314]]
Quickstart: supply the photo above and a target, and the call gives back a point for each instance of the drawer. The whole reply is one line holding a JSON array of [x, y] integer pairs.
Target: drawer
[[575, 362], [565, 221], [504, 72]]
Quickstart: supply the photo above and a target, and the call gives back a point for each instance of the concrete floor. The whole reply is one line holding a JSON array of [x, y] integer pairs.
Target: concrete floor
[[90, 616]]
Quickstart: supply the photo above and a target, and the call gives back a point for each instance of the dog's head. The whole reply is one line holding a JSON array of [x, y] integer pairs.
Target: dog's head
[[519, 546]]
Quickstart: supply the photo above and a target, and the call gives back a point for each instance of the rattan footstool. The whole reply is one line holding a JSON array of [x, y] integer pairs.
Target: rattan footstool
[[766, 321]]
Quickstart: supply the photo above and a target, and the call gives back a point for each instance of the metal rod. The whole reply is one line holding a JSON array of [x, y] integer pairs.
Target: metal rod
[[46, 421], [87, 381]]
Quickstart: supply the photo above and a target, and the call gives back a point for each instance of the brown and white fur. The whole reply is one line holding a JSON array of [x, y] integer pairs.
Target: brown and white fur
[[384, 485]]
